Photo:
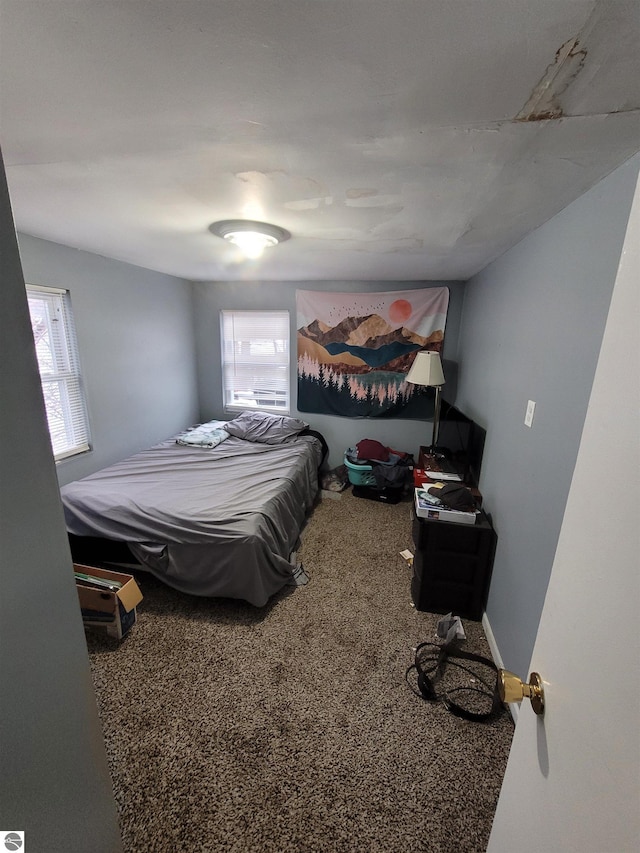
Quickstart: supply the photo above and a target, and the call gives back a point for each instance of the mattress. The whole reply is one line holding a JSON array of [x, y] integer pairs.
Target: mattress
[[218, 521]]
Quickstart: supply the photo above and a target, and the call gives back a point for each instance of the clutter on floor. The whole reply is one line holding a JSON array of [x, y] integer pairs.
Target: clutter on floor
[[377, 472]]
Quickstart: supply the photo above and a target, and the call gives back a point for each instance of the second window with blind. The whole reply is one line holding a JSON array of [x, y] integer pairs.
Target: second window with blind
[[59, 364], [255, 360]]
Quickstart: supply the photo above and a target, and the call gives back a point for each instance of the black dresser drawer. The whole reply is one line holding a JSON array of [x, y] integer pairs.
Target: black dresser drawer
[[452, 566]]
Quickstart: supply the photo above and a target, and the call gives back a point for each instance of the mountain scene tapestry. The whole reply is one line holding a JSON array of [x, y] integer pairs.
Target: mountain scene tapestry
[[355, 350]]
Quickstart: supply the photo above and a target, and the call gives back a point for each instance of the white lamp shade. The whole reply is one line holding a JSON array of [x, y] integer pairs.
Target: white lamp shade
[[426, 369]]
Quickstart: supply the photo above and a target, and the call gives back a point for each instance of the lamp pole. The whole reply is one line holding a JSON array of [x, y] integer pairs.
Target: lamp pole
[[436, 420]]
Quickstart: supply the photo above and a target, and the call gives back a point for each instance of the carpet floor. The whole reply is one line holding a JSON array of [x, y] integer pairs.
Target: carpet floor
[[292, 727]]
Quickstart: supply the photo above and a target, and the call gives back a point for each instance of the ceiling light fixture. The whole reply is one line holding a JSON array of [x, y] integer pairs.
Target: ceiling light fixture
[[251, 237]]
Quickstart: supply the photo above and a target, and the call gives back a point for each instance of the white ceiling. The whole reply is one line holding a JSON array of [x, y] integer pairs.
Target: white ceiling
[[395, 139]]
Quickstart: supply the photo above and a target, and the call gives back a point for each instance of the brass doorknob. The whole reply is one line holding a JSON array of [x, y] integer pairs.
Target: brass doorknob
[[512, 689]]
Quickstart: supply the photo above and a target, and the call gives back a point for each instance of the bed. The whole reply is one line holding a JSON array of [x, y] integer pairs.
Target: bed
[[214, 511]]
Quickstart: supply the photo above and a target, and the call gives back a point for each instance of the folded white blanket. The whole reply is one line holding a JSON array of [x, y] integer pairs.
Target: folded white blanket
[[204, 435]]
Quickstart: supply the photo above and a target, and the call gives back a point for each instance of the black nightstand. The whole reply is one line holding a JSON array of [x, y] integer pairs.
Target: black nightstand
[[452, 565]]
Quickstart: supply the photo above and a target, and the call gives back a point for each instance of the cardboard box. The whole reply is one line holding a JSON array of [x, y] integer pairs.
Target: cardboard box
[[114, 610], [433, 512]]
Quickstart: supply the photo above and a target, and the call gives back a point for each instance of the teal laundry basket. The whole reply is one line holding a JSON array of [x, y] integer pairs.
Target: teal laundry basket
[[359, 475]]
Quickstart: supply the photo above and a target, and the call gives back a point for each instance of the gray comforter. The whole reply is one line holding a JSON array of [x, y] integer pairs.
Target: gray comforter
[[217, 521]]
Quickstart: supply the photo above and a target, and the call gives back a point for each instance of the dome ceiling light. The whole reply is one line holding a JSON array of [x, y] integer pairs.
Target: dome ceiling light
[[251, 237]]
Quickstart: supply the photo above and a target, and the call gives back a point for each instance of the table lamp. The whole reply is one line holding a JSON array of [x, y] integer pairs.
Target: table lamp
[[427, 370]]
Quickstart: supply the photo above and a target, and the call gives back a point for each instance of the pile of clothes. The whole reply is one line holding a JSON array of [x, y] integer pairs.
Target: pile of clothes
[[390, 468]]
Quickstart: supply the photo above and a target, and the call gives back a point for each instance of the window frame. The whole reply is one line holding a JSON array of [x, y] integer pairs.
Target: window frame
[[233, 362], [65, 407]]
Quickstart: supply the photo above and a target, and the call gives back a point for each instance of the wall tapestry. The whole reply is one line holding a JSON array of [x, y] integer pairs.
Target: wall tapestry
[[355, 349]]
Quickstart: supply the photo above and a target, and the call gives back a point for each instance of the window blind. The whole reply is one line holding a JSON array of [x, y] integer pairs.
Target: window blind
[[255, 360], [59, 364]]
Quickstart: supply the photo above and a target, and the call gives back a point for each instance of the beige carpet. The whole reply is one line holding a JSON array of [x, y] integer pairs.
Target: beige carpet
[[292, 728]]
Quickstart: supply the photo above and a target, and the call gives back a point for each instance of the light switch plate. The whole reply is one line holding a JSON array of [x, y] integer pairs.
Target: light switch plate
[[528, 418]]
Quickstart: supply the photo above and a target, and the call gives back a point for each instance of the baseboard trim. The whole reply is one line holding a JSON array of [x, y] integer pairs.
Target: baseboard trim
[[514, 708]]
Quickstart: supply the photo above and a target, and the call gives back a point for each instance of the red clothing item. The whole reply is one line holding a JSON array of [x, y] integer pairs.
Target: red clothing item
[[368, 448]]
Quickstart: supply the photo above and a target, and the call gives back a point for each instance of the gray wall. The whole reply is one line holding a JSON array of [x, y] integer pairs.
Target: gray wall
[[54, 783], [531, 330], [137, 349], [212, 297]]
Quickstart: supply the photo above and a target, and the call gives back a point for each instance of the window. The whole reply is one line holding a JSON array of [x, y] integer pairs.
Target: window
[[255, 360], [57, 353]]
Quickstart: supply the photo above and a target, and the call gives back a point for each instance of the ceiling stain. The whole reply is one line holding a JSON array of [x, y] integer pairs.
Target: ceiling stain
[[357, 192], [255, 176], [308, 203], [544, 103]]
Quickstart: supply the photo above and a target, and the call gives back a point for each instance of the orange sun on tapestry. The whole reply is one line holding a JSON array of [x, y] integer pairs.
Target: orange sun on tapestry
[[355, 350], [400, 310]]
